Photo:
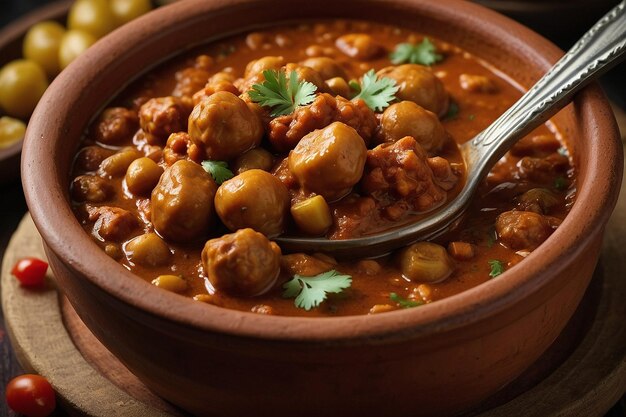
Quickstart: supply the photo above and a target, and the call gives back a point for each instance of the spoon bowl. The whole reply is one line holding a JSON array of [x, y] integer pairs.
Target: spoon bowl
[[601, 48]]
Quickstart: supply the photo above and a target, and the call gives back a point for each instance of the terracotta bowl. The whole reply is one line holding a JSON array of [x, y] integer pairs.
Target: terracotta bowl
[[11, 38], [442, 358]]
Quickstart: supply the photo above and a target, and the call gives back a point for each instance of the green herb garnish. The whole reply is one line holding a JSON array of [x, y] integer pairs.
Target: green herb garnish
[[354, 85], [376, 92], [280, 95], [453, 111], [403, 302], [424, 53], [471, 117], [560, 183], [311, 291], [497, 268], [218, 170]]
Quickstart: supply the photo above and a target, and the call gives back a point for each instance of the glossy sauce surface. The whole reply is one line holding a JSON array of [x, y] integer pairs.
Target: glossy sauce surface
[[540, 161]]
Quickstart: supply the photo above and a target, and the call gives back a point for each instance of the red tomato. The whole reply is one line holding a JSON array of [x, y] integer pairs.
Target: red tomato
[[31, 395], [30, 272]]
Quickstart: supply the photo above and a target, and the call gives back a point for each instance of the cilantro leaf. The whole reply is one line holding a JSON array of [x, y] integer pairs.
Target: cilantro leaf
[[403, 302], [218, 170], [377, 93], [424, 53], [497, 268], [560, 183], [311, 291], [453, 111], [282, 96]]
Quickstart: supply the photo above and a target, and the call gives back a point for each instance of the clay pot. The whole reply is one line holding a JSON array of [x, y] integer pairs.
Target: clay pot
[[442, 358]]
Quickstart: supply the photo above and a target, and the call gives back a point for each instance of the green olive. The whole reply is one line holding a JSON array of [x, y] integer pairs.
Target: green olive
[[91, 16], [22, 83], [41, 45], [11, 130], [74, 43], [126, 10], [426, 262]]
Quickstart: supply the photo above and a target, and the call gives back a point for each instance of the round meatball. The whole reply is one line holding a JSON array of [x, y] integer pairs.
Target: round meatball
[[254, 199], [163, 115], [420, 85], [359, 45], [182, 202], [116, 125], [244, 263], [524, 229], [327, 67], [329, 161], [409, 119], [224, 127], [307, 74]]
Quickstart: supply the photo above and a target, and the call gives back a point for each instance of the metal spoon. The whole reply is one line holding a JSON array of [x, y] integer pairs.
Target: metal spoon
[[595, 53]]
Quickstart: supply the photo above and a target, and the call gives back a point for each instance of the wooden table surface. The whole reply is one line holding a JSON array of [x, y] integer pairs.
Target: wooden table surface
[[13, 207]]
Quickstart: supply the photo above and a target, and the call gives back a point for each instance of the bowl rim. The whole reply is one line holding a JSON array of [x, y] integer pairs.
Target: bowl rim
[[477, 304]]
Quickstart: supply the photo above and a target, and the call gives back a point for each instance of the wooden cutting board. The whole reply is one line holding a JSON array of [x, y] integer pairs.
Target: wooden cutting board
[[582, 374]]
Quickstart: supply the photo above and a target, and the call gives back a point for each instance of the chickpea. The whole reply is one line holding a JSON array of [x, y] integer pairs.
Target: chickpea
[[257, 158], [253, 199], [262, 64], [327, 67], [224, 126], [329, 161], [117, 164], [147, 250], [172, 283], [420, 85], [244, 263], [409, 119], [359, 45], [339, 87], [182, 202], [305, 73], [142, 176], [22, 83], [41, 45], [425, 262]]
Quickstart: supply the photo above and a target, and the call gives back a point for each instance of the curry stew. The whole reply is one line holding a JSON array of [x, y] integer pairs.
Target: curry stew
[[335, 129]]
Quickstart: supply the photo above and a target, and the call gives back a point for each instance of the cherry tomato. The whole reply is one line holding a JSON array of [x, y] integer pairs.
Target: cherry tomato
[[31, 395], [30, 272]]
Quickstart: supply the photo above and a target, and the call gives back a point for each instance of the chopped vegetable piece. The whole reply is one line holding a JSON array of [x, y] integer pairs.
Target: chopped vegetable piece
[[311, 291], [282, 96], [218, 170], [31, 395], [354, 85], [497, 268], [403, 302], [424, 53], [30, 272], [453, 111], [560, 183], [376, 92], [312, 215]]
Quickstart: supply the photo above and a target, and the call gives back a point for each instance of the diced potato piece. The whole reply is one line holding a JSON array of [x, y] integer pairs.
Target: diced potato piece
[[461, 251], [171, 283], [312, 215]]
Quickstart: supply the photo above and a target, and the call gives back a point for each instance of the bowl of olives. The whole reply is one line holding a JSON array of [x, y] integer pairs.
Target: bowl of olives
[[35, 48]]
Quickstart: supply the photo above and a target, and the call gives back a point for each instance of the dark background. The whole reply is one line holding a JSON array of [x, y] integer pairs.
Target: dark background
[[563, 22]]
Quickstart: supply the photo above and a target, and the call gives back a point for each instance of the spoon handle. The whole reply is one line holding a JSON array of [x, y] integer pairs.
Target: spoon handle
[[596, 52]]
